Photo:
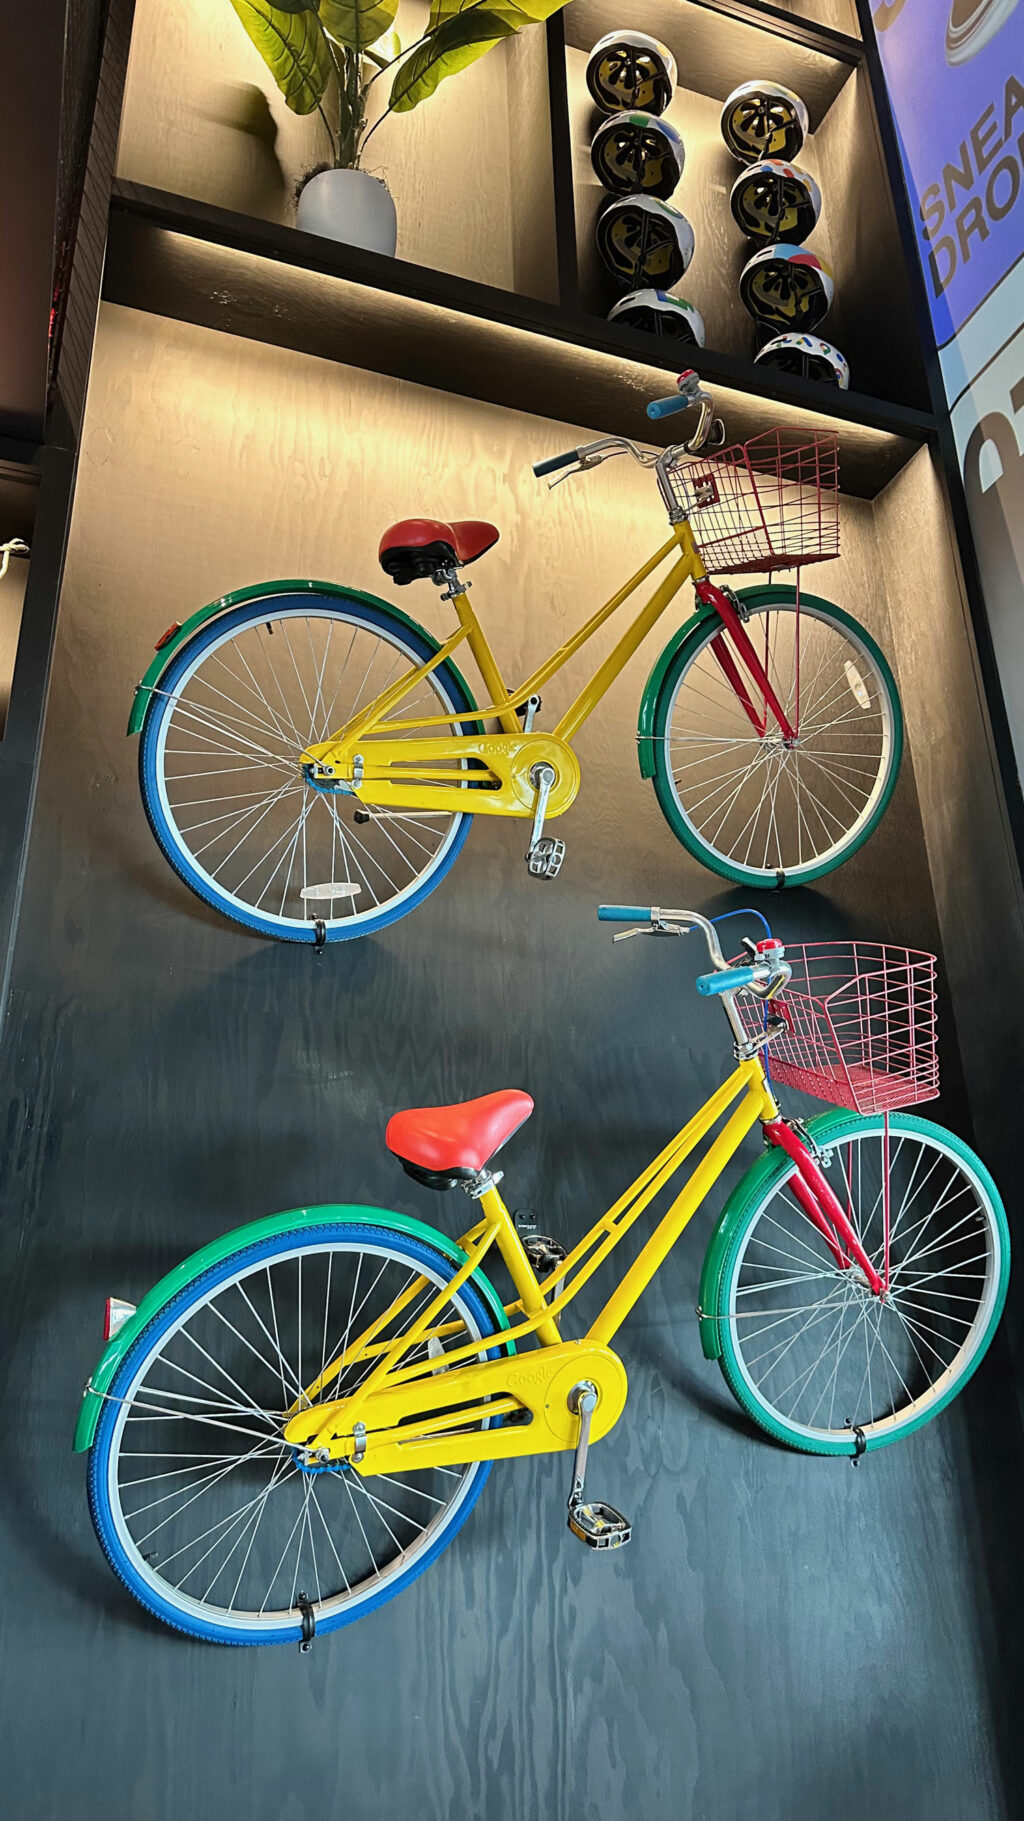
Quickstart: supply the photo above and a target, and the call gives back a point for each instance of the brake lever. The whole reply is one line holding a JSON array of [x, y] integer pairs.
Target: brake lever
[[651, 929]]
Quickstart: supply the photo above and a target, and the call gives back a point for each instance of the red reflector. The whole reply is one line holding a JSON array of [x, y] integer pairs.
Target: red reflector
[[166, 637], [107, 1312]]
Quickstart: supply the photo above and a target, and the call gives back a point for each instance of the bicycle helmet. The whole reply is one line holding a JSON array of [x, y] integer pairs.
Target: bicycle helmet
[[764, 120], [775, 201], [644, 241], [808, 356], [971, 25], [787, 286], [631, 70], [638, 152], [660, 314]]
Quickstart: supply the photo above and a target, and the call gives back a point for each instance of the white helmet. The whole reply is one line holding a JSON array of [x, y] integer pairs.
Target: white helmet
[[660, 314], [631, 70], [774, 201], [787, 286], [764, 120], [638, 152], [808, 356], [644, 241]]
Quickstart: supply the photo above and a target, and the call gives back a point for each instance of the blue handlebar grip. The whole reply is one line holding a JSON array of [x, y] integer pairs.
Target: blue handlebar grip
[[553, 462], [664, 407], [623, 913], [726, 982]]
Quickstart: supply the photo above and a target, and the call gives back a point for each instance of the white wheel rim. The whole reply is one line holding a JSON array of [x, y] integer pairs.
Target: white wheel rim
[[763, 783], [232, 1619], [349, 852]]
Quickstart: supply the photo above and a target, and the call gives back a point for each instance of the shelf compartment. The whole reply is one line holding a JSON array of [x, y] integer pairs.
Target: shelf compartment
[[470, 169], [857, 236]]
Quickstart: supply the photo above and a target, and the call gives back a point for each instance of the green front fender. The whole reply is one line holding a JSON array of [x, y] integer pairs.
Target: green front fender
[[260, 592], [772, 1162], [751, 597], [219, 1249]]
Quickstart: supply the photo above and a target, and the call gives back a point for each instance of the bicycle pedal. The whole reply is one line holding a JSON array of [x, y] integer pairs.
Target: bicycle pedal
[[544, 1253], [599, 1525], [544, 859]]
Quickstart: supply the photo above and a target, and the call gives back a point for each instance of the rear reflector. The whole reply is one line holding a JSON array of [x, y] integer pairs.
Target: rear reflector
[[115, 1315]]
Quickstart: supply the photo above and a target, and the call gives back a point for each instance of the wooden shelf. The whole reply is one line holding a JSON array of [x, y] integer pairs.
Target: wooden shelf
[[178, 258]]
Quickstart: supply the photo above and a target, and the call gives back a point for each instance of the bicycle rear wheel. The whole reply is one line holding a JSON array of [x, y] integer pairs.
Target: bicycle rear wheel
[[222, 785], [807, 1349], [202, 1509], [744, 803]]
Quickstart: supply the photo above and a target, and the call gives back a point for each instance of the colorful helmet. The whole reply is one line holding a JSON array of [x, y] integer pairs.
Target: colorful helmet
[[644, 241], [764, 120], [775, 201], [660, 315], [808, 356], [631, 70], [638, 152], [787, 286]]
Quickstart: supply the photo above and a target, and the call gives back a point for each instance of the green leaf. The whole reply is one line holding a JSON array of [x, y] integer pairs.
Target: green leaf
[[291, 42], [516, 13], [357, 23], [456, 43]]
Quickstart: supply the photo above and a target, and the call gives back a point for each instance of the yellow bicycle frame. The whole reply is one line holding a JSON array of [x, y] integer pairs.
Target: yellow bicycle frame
[[413, 1415], [372, 756]]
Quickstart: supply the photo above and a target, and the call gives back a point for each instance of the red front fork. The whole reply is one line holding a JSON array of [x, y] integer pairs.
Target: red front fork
[[710, 596], [821, 1206]]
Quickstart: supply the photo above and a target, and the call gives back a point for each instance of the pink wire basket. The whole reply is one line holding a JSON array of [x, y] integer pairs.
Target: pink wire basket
[[772, 503], [862, 1029]]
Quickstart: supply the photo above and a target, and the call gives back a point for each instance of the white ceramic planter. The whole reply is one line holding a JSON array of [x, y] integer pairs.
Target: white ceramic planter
[[350, 206]]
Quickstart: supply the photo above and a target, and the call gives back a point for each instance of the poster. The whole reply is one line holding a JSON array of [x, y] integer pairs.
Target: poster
[[955, 74]]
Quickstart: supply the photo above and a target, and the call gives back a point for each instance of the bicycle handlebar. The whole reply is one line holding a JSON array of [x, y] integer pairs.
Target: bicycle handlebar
[[664, 407], [621, 913], [729, 981], [554, 462]]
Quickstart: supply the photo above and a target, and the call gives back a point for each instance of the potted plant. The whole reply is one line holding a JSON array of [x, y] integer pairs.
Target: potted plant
[[326, 56]]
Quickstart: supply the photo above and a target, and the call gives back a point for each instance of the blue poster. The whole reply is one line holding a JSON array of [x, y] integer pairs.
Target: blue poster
[[955, 73]]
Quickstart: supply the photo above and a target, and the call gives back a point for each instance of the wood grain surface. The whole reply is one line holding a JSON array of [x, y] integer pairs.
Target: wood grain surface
[[787, 1638]]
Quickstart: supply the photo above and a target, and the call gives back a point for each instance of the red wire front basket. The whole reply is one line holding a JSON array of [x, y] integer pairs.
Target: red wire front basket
[[772, 503], [861, 1025]]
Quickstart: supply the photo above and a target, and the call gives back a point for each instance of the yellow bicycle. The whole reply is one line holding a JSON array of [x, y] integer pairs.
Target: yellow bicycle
[[293, 1424], [311, 758]]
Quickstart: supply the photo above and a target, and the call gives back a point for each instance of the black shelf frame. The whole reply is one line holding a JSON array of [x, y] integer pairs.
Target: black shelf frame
[[154, 263]]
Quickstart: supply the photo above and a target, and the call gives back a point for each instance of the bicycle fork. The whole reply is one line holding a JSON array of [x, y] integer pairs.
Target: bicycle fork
[[823, 1208], [734, 630]]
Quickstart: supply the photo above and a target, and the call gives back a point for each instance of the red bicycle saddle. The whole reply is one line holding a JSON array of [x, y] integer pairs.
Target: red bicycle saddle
[[418, 547], [458, 1141]]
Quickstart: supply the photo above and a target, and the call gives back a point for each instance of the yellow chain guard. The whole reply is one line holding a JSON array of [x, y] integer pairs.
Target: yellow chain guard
[[389, 772], [538, 1382]]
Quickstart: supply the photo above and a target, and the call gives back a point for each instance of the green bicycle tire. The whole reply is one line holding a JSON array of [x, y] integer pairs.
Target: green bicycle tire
[[746, 1209], [665, 793]]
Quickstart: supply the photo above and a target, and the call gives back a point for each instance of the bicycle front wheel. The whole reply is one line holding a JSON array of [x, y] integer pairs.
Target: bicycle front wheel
[[748, 805], [808, 1349], [203, 1510], [221, 781]]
